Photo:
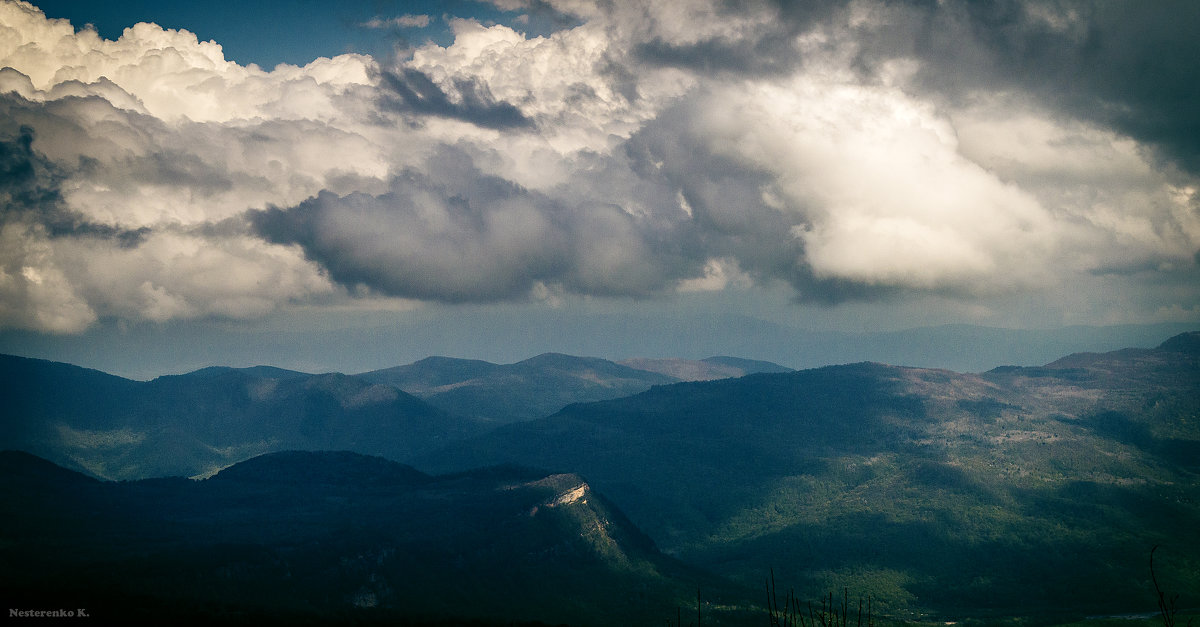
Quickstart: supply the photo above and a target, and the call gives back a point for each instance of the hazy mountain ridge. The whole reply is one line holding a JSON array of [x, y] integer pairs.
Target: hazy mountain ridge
[[528, 389], [335, 535], [368, 344], [199, 422], [704, 369]]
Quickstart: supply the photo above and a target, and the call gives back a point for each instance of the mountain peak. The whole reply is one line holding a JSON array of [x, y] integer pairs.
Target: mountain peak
[[557, 359], [1182, 343]]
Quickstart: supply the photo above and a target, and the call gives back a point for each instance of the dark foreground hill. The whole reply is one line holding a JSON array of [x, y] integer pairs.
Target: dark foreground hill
[[305, 537], [1018, 491]]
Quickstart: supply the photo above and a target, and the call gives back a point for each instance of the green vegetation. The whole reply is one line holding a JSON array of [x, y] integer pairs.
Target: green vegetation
[[1022, 491]]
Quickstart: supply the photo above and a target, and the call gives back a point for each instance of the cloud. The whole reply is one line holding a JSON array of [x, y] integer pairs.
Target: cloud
[[61, 271], [117, 162], [169, 73], [403, 21], [411, 91], [459, 235], [852, 151], [1124, 65]]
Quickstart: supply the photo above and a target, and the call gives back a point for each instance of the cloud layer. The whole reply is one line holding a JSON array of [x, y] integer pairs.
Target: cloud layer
[[851, 151]]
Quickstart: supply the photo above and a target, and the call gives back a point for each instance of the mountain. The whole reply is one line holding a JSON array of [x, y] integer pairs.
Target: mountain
[[196, 423], [1022, 490], [321, 537], [528, 389], [704, 369]]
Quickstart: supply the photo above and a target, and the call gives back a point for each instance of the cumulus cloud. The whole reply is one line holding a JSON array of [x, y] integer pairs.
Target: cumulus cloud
[[458, 235], [61, 271], [852, 151]]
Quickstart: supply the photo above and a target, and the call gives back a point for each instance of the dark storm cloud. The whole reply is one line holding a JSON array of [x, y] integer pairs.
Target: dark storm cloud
[[457, 235], [766, 50], [410, 90], [1125, 64], [29, 180], [30, 188], [766, 55]]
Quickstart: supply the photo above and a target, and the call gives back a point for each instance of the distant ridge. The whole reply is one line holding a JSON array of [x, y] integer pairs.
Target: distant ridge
[[704, 369], [266, 372], [958, 347], [529, 389]]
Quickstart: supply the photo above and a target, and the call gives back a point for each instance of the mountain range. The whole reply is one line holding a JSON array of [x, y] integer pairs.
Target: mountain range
[[197, 423], [1020, 491]]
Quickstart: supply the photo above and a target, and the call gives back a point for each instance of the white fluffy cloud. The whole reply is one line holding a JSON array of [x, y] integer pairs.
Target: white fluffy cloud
[[169, 73], [877, 186], [1117, 208], [148, 178]]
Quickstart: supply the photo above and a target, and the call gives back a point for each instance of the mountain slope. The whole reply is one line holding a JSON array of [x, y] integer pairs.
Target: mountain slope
[[199, 422], [305, 536], [1019, 490], [529, 389]]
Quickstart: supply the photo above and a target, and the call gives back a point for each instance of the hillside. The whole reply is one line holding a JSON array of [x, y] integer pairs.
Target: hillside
[[1021, 490], [305, 536], [196, 423]]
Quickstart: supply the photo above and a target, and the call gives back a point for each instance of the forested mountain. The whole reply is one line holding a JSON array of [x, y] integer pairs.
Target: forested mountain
[[1017, 490]]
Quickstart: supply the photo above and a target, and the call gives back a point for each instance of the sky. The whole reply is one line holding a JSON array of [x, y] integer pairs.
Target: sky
[[179, 177]]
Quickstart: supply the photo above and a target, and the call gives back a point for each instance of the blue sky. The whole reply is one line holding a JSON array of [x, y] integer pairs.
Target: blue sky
[[257, 31], [519, 166], [270, 32]]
